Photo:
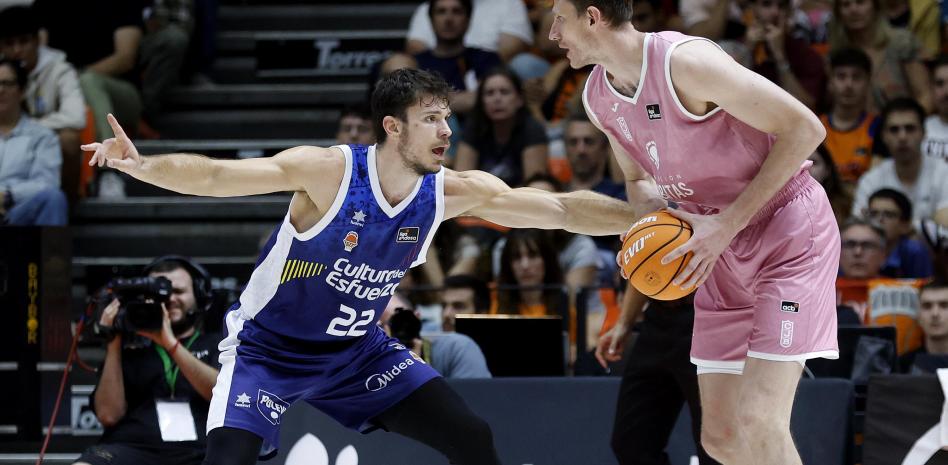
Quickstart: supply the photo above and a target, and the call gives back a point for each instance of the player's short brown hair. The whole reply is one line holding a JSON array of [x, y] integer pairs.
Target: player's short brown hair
[[615, 12]]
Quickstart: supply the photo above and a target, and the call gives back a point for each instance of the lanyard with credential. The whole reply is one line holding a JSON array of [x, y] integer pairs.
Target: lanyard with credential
[[171, 375]]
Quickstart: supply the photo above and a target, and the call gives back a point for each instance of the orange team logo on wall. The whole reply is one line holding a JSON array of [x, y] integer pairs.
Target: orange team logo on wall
[[351, 240]]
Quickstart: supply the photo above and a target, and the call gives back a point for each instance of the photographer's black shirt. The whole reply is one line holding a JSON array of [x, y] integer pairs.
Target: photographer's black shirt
[[144, 378]]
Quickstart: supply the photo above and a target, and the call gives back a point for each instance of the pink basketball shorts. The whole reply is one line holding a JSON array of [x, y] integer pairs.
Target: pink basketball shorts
[[771, 294]]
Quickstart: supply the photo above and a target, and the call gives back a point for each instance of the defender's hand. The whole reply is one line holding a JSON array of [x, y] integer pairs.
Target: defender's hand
[[712, 234], [117, 152]]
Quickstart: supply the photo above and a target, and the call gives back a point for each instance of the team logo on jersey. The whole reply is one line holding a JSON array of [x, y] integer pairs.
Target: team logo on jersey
[[654, 112], [625, 128], [243, 401], [270, 406], [351, 240], [378, 381], [409, 234], [786, 333], [790, 307], [358, 218], [615, 107], [652, 149]]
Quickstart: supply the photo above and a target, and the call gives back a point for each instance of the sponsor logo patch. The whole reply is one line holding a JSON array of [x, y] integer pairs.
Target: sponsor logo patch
[[379, 381], [789, 306], [358, 218], [654, 112], [243, 401], [270, 406], [409, 234]]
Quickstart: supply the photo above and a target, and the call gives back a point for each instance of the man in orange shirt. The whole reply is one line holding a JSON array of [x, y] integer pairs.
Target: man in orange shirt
[[877, 300], [850, 128]]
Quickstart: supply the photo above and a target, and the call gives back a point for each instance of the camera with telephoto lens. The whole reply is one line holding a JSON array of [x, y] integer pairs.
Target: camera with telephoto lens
[[140, 302], [405, 326]]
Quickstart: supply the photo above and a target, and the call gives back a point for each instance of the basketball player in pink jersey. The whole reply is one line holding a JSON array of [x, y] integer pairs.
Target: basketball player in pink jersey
[[690, 125]]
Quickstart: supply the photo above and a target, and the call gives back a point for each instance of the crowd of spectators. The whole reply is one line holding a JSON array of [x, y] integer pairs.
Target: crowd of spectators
[[874, 72]]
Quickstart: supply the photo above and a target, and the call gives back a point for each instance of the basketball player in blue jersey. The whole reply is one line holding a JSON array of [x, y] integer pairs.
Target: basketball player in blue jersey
[[360, 217]]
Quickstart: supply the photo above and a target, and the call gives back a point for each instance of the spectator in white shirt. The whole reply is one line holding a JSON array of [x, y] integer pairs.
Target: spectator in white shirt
[[500, 26], [921, 179], [935, 143]]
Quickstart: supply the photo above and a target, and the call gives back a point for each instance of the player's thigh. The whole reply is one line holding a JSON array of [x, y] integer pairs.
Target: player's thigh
[[434, 407], [721, 397], [768, 391], [232, 446]]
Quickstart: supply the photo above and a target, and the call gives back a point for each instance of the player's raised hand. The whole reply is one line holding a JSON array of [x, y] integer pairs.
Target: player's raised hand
[[117, 152], [712, 235]]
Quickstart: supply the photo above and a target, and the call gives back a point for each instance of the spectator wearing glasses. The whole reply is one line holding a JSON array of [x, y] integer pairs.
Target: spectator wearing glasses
[[908, 258], [876, 299]]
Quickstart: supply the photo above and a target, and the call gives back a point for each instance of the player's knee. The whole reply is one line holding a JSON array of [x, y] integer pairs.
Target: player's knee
[[720, 439], [764, 424]]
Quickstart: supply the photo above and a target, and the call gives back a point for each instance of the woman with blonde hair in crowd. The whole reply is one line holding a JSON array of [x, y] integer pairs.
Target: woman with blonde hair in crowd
[[896, 54]]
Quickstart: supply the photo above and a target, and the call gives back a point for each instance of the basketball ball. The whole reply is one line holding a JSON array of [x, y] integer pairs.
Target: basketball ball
[[652, 237]]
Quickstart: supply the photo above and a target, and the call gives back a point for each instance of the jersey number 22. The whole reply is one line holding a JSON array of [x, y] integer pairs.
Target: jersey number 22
[[343, 326]]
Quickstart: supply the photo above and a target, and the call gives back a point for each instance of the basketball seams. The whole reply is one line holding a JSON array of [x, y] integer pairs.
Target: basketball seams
[[658, 249]]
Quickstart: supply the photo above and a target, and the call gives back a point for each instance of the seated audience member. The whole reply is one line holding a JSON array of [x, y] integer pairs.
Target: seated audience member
[[921, 179], [501, 137], [499, 26], [52, 95], [462, 294], [587, 151], [31, 160], [717, 20], [138, 380], [824, 172], [454, 355], [529, 276], [554, 89], [933, 319], [876, 299], [778, 56], [169, 25], [908, 258], [850, 127], [897, 67], [462, 67], [106, 55], [922, 18], [355, 126], [935, 143]]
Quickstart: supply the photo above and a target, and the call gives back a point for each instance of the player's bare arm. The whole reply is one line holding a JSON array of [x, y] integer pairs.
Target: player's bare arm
[[480, 194], [306, 169], [704, 78]]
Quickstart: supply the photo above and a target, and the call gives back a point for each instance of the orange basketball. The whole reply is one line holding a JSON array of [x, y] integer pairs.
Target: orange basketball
[[651, 238]]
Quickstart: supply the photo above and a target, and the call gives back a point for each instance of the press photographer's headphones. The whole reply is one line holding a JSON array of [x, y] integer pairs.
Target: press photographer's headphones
[[200, 278]]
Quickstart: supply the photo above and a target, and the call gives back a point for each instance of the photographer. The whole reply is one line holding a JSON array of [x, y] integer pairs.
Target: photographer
[[153, 398], [454, 355]]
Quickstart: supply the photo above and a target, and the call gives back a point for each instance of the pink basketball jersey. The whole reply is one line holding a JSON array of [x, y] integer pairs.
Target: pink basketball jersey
[[701, 162]]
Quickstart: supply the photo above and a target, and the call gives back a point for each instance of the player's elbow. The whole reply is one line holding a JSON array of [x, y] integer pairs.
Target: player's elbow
[[810, 129]]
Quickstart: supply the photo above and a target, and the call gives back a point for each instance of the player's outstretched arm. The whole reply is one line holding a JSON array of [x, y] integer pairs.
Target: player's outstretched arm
[[476, 193], [199, 175]]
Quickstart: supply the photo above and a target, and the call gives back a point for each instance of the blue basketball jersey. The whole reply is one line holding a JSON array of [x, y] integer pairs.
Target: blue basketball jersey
[[332, 282]]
